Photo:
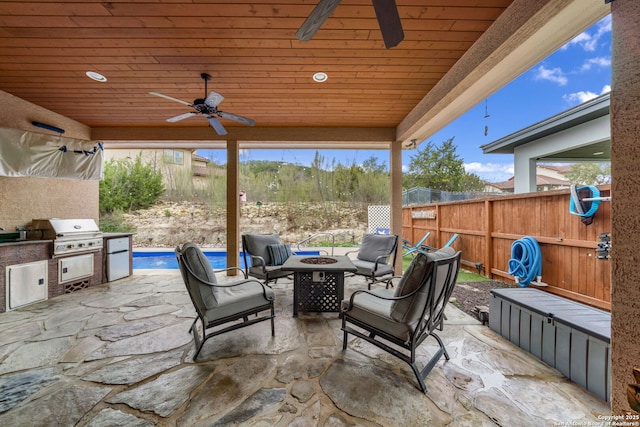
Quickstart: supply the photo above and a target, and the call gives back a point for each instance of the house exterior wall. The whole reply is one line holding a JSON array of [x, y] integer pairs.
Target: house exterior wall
[[27, 198], [551, 172], [174, 164], [541, 171], [625, 204]]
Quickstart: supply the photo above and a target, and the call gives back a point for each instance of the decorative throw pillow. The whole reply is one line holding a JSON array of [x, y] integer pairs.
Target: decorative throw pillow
[[279, 253]]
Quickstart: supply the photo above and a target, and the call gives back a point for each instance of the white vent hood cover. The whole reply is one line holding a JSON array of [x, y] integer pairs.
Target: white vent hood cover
[[24, 153]]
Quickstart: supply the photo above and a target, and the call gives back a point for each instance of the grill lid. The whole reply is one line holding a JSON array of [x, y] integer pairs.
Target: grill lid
[[56, 228]]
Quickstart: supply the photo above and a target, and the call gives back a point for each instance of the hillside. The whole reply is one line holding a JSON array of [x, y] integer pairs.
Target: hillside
[[169, 223]]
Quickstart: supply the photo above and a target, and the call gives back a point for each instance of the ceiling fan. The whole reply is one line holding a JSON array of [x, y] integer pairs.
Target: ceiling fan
[[386, 12], [207, 107]]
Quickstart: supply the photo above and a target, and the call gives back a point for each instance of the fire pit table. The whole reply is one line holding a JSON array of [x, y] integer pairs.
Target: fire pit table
[[318, 282]]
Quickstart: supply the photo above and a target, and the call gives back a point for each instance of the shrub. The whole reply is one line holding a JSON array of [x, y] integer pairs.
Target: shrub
[[129, 185]]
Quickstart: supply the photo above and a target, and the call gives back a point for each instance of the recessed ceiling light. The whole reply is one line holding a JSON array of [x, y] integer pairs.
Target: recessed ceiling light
[[598, 153], [96, 76], [320, 77]]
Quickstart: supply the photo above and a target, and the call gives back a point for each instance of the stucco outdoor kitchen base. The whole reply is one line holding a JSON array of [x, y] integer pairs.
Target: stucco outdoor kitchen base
[[120, 354]]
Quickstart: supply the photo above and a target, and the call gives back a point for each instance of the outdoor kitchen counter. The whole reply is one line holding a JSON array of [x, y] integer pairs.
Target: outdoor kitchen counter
[[115, 234], [23, 242], [27, 252], [23, 252]]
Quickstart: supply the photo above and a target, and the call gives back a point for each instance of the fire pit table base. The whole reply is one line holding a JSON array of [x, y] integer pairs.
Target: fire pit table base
[[318, 282], [318, 296]]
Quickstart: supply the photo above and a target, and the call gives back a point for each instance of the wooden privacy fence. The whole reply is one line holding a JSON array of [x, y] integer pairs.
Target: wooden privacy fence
[[488, 227]]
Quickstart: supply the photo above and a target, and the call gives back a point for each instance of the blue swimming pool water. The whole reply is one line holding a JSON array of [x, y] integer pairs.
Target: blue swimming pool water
[[157, 260]]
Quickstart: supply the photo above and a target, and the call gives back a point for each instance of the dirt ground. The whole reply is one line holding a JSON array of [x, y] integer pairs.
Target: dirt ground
[[467, 296]]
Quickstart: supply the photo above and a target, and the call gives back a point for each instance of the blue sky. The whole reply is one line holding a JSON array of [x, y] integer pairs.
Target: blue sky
[[577, 72]]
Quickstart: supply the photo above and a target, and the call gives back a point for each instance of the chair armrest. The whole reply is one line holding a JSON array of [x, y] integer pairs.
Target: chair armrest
[[367, 291], [352, 252], [244, 282], [231, 285], [216, 285], [244, 273], [375, 266], [258, 261]]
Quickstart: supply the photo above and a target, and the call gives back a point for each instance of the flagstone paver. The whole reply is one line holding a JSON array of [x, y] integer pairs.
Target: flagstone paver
[[165, 394], [121, 354]]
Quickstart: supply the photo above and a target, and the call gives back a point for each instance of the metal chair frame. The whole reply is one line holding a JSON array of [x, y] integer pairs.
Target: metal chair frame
[[432, 317], [186, 270]]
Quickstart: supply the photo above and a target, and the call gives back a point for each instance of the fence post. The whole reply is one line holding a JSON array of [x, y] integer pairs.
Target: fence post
[[488, 241], [440, 243]]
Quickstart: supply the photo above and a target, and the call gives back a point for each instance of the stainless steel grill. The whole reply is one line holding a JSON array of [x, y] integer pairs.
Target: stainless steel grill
[[70, 236]]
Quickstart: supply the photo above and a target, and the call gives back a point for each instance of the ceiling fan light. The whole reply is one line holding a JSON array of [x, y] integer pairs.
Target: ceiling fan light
[[320, 77], [96, 76]]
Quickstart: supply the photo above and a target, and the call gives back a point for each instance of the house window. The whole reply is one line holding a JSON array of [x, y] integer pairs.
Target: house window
[[174, 156]]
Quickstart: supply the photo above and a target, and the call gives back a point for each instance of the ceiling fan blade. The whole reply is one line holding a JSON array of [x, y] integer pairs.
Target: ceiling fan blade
[[216, 125], [213, 99], [181, 117], [170, 98], [389, 21], [236, 118], [320, 14]]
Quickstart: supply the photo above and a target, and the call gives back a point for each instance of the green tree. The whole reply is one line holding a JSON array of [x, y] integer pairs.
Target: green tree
[[128, 185], [372, 165], [440, 168], [589, 173], [365, 184]]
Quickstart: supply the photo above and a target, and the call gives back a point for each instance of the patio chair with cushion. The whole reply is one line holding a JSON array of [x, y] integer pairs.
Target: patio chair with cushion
[[412, 248], [398, 322], [217, 304], [264, 255], [376, 257], [427, 248]]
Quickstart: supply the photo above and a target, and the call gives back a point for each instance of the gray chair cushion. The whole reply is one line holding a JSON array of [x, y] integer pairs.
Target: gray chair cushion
[[199, 264], [409, 310], [257, 245], [365, 268], [376, 312], [279, 253], [375, 245], [274, 272], [247, 295]]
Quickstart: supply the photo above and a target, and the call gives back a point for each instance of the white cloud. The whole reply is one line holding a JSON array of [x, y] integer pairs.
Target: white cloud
[[554, 75], [584, 95], [580, 39], [599, 61], [579, 97], [604, 26], [494, 172], [589, 42]]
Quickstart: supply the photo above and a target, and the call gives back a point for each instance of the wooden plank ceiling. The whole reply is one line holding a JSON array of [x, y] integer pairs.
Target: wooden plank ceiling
[[248, 47]]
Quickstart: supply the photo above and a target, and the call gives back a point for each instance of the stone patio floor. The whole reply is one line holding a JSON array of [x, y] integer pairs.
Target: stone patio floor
[[120, 354]]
